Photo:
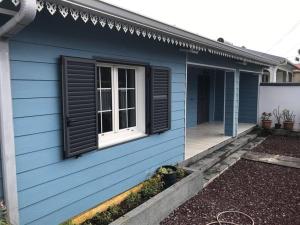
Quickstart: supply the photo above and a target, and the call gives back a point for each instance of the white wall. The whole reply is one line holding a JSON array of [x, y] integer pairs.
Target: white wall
[[287, 97]]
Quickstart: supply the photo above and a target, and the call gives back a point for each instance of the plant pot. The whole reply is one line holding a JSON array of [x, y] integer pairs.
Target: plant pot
[[288, 125], [170, 178], [266, 124], [277, 125]]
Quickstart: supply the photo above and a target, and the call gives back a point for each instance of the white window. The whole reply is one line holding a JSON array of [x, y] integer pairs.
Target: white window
[[121, 115]]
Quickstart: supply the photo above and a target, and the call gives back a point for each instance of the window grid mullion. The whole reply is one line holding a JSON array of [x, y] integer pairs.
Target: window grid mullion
[[116, 99], [100, 99], [126, 100]]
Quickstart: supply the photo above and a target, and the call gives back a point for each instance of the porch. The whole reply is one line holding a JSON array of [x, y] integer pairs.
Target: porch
[[207, 135], [221, 105]]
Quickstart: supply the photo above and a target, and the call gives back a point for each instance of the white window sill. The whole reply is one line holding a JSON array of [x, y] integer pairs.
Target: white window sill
[[112, 139]]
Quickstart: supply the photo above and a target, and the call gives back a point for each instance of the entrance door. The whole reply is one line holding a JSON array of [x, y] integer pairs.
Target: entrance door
[[203, 99]]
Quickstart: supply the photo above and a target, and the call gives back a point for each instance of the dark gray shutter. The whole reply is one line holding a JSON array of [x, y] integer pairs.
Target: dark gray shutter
[[79, 95], [159, 100]]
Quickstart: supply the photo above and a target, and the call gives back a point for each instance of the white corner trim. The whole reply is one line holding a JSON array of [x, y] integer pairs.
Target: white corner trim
[[7, 137]]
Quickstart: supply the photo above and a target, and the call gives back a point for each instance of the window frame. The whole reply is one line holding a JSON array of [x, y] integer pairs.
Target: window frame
[[117, 135]]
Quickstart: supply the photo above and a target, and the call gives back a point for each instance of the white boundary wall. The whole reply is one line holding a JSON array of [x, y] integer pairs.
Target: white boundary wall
[[287, 97]]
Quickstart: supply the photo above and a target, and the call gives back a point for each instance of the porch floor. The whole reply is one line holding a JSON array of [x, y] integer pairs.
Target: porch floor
[[207, 135]]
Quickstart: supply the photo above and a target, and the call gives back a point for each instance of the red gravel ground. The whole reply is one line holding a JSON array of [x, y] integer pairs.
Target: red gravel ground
[[280, 145], [270, 194]]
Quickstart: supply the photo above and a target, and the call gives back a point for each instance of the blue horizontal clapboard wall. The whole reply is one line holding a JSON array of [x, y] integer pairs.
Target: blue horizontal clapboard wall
[[51, 189]]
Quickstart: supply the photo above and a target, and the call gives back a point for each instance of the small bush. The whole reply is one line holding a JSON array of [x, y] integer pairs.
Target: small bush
[[103, 218], [151, 187], [180, 173], [116, 211], [132, 201]]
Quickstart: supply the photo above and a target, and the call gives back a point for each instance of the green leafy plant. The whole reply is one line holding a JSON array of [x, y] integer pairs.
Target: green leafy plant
[[164, 170], [115, 211], [288, 116], [278, 115], [3, 214], [133, 200], [152, 187], [266, 116], [181, 173]]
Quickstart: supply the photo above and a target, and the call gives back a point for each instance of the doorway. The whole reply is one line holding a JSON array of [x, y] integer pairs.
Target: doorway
[[203, 99]]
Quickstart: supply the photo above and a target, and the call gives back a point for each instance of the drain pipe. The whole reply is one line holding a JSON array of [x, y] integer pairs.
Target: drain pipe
[[19, 21]]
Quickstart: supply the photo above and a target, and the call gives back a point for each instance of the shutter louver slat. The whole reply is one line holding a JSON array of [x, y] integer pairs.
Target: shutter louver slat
[[160, 91], [80, 118]]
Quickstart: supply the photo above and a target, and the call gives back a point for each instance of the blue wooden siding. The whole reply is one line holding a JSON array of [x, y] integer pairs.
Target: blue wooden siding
[[219, 96], [51, 189], [191, 103], [248, 98]]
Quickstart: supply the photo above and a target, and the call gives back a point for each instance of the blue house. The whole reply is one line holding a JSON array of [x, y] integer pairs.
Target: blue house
[[94, 98]]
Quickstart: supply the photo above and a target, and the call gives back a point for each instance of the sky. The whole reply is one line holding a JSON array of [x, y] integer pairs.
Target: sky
[[271, 26]]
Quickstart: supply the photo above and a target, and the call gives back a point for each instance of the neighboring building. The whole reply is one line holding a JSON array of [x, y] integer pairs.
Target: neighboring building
[[94, 98], [296, 74]]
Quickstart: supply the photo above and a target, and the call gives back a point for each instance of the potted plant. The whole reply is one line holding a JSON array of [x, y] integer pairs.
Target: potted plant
[[278, 116], [266, 121], [288, 119], [169, 175]]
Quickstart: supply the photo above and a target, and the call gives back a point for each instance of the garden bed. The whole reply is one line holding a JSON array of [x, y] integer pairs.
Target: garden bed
[[268, 193], [280, 145], [153, 202]]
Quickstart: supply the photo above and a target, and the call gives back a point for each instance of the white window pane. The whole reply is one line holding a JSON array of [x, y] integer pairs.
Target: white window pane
[[130, 78], [130, 98], [131, 118], [122, 78], [122, 99], [123, 119], [105, 77], [106, 100], [106, 121]]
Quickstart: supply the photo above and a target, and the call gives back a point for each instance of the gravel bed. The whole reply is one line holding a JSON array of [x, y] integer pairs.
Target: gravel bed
[[280, 145], [270, 194]]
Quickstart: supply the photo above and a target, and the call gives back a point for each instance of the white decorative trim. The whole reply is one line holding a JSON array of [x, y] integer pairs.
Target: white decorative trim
[[131, 29], [74, 14], [102, 21], [51, 8], [16, 2], [94, 19], [40, 5], [118, 26], [137, 29], [110, 23], [64, 11], [125, 28], [84, 16]]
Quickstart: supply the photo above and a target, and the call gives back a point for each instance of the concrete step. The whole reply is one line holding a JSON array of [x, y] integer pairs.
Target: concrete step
[[221, 154]]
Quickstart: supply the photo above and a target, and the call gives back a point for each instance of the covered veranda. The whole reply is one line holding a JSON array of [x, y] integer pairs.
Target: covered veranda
[[221, 105]]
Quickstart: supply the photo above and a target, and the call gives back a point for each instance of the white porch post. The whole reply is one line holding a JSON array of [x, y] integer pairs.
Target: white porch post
[[7, 137], [273, 72], [232, 83]]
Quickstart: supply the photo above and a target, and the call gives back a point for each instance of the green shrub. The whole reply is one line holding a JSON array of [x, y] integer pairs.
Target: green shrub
[[151, 187], [103, 218], [116, 211], [132, 201], [181, 173]]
